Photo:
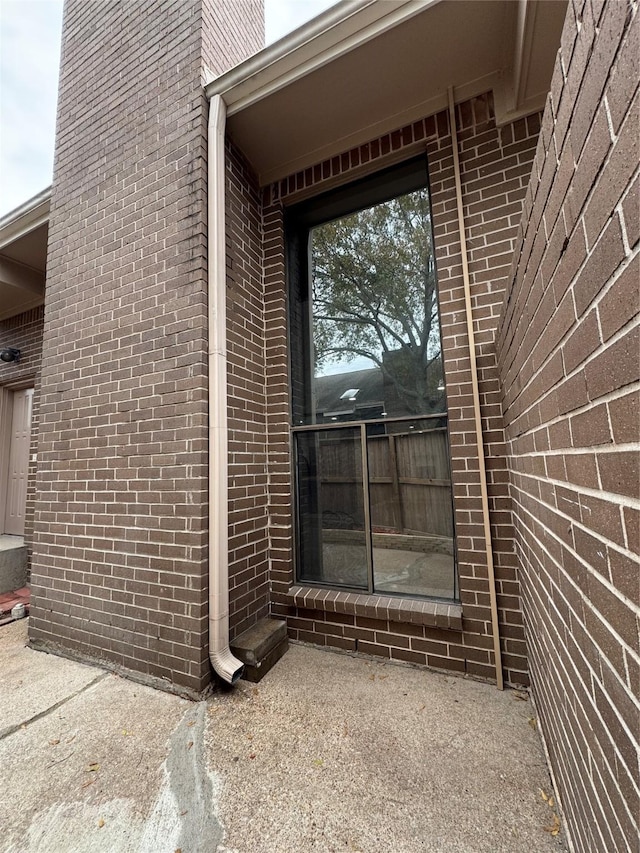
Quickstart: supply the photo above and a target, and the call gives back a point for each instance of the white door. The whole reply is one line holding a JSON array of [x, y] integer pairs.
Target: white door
[[18, 467]]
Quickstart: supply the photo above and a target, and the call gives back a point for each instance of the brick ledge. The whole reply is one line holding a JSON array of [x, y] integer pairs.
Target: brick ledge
[[436, 614]]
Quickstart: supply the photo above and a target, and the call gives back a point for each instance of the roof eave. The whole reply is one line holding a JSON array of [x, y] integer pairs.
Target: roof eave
[[25, 218], [339, 30]]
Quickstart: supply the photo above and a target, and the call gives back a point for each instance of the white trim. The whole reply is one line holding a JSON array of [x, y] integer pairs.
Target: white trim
[[522, 60], [26, 218], [505, 115], [337, 32]]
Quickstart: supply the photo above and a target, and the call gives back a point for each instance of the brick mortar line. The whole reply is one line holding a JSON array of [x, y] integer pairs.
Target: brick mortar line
[[556, 721], [606, 789], [560, 621], [628, 650], [618, 209], [578, 679], [608, 543], [594, 533], [596, 181], [599, 449], [609, 397], [602, 293], [568, 738], [611, 497], [552, 774], [604, 346]]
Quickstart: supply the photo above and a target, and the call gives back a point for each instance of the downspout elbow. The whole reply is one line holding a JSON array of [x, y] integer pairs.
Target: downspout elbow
[[226, 666]]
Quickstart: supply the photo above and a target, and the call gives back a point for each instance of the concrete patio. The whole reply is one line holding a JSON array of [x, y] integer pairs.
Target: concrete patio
[[327, 753]]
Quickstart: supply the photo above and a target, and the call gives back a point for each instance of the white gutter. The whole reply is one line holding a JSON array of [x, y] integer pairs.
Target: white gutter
[[225, 664], [290, 42], [325, 38], [30, 215]]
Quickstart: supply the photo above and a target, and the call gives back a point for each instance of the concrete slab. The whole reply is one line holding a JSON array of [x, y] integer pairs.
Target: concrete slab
[[34, 681], [8, 543], [328, 753], [256, 643], [112, 766], [335, 753]]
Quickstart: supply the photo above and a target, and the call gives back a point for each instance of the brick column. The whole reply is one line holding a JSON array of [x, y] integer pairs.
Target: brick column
[[120, 545]]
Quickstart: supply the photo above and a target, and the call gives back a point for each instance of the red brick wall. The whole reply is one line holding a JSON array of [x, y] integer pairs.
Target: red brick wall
[[496, 165], [120, 555], [24, 332], [569, 362]]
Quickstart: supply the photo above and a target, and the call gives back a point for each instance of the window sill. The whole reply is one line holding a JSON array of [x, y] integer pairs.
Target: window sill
[[436, 614]]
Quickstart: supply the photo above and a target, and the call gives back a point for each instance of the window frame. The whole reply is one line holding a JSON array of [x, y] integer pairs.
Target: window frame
[[299, 220]]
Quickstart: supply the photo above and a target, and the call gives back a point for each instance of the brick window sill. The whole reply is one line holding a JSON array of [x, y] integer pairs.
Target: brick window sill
[[436, 614]]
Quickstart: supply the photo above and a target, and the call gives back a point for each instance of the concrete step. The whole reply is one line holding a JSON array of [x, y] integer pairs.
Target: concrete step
[[13, 563], [261, 647]]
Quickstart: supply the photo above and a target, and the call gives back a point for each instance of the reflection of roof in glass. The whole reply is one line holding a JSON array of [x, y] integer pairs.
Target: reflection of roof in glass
[[365, 386], [350, 394]]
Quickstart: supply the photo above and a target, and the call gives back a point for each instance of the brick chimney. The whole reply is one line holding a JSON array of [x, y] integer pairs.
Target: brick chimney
[[120, 563]]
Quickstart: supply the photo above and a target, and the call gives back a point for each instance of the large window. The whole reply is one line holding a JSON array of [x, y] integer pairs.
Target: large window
[[373, 484]]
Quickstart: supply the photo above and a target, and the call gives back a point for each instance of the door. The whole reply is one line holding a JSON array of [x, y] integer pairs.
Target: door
[[18, 462]]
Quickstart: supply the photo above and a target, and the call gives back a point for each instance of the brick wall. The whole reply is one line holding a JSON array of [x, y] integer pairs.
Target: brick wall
[[495, 164], [232, 30], [24, 332], [569, 363], [248, 539], [120, 546]]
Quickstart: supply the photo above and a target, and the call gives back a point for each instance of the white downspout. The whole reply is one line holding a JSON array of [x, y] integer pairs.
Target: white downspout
[[225, 664]]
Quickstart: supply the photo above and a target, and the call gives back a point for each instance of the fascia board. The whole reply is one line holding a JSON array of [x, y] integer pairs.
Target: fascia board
[[327, 37], [26, 218]]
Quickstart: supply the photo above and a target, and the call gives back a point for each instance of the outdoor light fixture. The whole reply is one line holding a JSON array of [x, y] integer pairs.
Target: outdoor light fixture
[[10, 354]]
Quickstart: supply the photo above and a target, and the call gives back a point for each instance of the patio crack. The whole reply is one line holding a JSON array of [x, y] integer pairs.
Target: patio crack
[[9, 730]]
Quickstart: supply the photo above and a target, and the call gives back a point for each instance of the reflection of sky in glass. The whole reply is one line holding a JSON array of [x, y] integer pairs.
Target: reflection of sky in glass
[[331, 368]]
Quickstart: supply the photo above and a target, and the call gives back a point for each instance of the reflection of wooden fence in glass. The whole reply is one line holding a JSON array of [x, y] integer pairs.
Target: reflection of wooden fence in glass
[[340, 480], [409, 484]]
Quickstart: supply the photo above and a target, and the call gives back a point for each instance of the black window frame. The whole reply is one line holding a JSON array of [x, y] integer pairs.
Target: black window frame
[[299, 220]]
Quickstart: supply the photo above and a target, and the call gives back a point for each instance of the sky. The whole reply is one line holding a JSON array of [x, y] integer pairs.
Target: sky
[[29, 56]]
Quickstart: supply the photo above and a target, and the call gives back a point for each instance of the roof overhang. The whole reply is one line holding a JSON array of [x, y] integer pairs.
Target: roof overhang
[[365, 67], [23, 255]]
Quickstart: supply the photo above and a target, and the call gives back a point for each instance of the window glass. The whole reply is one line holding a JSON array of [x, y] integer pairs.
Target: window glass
[[374, 509], [410, 509], [331, 508], [375, 329]]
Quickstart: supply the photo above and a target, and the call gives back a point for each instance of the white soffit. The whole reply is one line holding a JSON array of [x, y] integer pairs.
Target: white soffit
[[24, 219], [23, 255], [366, 67]]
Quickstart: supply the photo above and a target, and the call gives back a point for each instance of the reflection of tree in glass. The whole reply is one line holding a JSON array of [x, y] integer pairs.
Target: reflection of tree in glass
[[374, 297]]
